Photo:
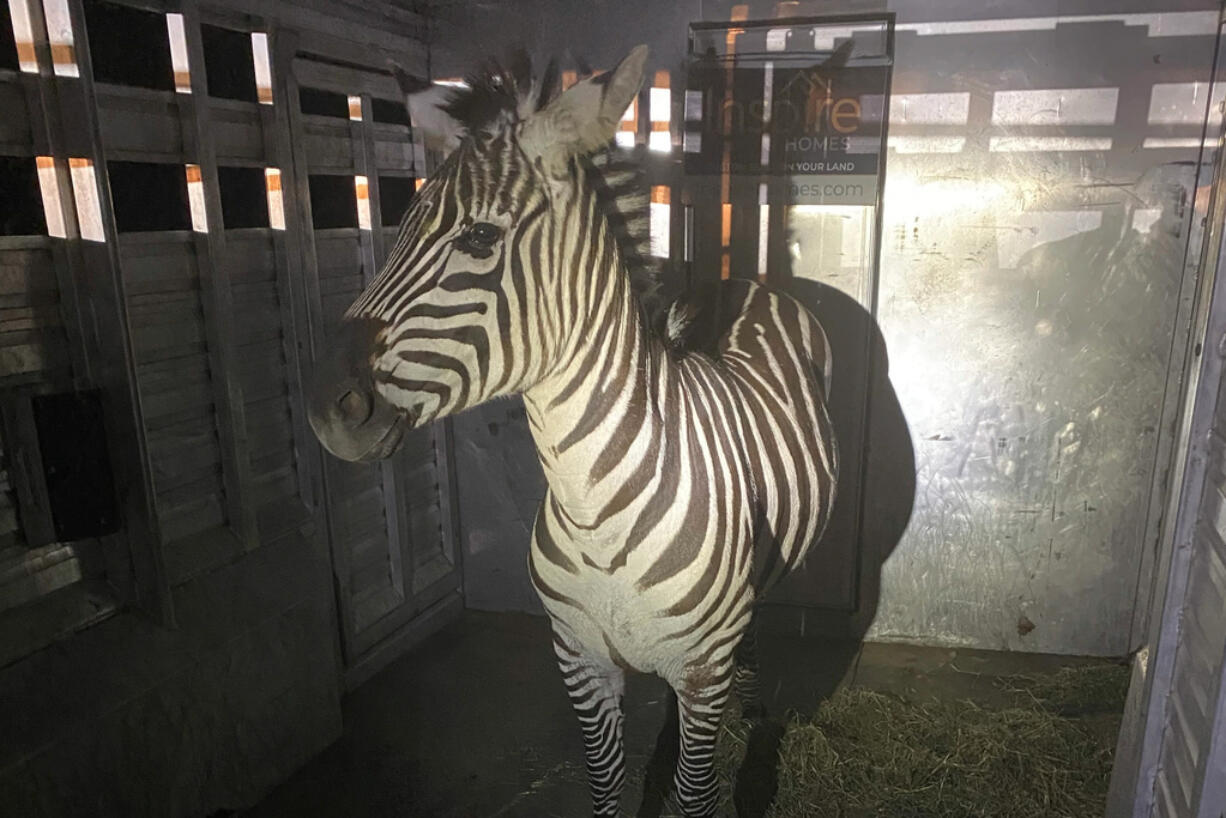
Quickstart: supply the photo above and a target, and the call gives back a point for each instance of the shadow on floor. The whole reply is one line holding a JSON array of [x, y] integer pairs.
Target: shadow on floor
[[475, 722]]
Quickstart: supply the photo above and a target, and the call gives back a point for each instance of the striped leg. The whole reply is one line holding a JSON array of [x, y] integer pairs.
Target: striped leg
[[745, 680], [695, 783], [595, 690]]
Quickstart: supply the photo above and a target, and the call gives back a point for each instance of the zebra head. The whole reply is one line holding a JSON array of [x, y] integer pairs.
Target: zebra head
[[467, 306]]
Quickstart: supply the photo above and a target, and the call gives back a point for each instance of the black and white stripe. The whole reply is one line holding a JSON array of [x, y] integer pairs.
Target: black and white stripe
[[682, 485]]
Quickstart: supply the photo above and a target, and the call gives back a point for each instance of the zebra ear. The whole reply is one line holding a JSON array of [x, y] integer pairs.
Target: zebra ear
[[426, 101], [585, 117]]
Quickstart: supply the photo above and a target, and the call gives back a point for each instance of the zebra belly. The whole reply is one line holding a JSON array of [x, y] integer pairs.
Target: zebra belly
[[613, 621]]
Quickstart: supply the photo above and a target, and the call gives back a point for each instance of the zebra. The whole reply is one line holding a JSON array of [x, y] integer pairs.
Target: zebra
[[682, 484]]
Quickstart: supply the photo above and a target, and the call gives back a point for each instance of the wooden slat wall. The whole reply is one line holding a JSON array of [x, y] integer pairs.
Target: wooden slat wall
[[389, 522], [267, 376], [36, 354], [199, 339]]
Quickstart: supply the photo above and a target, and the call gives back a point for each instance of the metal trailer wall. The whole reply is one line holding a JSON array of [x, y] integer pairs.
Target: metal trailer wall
[[196, 658], [1041, 196]]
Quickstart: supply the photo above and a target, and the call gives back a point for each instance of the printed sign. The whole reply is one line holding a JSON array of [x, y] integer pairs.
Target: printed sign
[[816, 124]]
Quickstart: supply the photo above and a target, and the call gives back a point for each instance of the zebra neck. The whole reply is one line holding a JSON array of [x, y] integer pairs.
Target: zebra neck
[[592, 419]]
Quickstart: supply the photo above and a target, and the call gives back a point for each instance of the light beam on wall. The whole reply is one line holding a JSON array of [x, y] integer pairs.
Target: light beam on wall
[[660, 215], [362, 188], [178, 53], [85, 195], [659, 106], [764, 220], [59, 33], [276, 202], [52, 207], [195, 198], [629, 125], [23, 34], [263, 67]]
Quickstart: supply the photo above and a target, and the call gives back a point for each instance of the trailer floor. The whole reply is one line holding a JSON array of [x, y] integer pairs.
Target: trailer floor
[[475, 722]]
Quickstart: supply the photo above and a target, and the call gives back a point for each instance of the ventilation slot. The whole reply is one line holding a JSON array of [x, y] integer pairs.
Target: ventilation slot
[[128, 46], [317, 102], [333, 202], [229, 64], [244, 197], [21, 206], [149, 196], [395, 194]]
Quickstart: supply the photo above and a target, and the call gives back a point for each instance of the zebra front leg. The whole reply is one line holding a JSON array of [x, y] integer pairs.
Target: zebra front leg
[[595, 689], [701, 702]]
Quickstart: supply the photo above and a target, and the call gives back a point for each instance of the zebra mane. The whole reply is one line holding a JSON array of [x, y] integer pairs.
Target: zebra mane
[[501, 94]]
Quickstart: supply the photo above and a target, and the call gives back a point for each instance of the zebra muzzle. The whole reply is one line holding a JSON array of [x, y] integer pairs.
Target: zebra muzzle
[[347, 413]]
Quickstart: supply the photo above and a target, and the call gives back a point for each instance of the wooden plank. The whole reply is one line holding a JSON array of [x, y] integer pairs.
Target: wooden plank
[[203, 514], [237, 131], [338, 250], [38, 318], [326, 150], [139, 122], [381, 652], [394, 155], [376, 80], [348, 28], [251, 256], [28, 273], [34, 356]]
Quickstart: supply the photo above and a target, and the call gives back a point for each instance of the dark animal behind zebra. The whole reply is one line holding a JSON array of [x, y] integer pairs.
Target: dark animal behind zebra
[[681, 485]]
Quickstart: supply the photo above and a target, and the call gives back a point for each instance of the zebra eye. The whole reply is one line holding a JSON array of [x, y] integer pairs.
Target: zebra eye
[[481, 235]]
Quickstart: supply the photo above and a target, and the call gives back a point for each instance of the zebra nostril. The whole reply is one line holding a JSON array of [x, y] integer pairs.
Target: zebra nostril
[[354, 407]]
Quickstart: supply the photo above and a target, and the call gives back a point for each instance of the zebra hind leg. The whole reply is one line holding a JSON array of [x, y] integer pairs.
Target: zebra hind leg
[[701, 706], [595, 691], [745, 680]]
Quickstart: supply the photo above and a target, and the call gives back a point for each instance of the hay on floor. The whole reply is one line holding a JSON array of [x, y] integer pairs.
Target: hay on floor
[[871, 754]]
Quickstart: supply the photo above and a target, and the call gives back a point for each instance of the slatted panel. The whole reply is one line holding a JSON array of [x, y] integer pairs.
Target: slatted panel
[[35, 352], [172, 373], [360, 511], [389, 526], [263, 373], [340, 271], [33, 346], [1200, 660]]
